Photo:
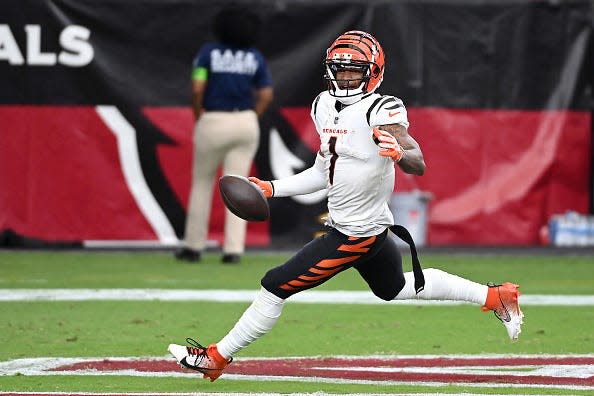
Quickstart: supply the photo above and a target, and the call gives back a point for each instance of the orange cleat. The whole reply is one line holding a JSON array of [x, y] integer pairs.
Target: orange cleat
[[208, 361], [503, 301]]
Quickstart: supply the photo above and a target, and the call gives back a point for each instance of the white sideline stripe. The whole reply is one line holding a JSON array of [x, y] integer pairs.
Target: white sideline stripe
[[235, 394], [130, 163], [305, 297]]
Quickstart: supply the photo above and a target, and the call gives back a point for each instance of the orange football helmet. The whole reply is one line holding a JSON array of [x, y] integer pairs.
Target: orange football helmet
[[354, 49]]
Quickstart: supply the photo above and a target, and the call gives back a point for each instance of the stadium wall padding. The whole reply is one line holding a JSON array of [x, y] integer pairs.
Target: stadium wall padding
[[95, 118]]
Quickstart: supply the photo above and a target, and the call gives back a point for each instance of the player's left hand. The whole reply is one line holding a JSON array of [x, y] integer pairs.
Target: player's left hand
[[389, 146]]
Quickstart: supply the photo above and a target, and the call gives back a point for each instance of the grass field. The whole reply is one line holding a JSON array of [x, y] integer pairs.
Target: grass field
[[95, 328]]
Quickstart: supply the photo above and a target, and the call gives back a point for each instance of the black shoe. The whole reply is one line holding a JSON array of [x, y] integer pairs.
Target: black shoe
[[231, 258], [187, 254]]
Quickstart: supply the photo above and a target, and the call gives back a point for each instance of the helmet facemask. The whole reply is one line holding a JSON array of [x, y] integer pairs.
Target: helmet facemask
[[347, 90]]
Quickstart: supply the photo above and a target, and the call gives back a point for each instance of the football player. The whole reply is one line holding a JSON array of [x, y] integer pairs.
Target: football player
[[363, 136]]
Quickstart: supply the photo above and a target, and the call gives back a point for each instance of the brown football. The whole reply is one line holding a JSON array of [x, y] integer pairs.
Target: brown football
[[243, 198]]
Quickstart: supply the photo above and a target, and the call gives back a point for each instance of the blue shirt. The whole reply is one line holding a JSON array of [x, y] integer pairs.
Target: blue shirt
[[233, 75]]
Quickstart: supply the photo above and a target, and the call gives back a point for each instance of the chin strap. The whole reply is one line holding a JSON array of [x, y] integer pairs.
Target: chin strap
[[403, 234]]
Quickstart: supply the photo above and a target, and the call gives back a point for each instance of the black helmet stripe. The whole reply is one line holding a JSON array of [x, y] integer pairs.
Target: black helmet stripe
[[348, 46], [360, 42], [363, 39]]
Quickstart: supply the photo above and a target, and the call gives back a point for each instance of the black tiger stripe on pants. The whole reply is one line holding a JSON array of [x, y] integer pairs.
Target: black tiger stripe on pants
[[376, 258]]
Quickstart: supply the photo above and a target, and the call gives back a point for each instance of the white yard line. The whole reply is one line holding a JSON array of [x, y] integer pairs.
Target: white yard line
[[44, 367], [306, 297], [229, 394]]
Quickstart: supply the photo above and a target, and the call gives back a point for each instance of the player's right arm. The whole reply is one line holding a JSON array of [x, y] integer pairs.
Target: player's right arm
[[310, 180]]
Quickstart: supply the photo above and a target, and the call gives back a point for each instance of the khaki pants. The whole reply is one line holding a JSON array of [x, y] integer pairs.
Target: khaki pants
[[230, 138]]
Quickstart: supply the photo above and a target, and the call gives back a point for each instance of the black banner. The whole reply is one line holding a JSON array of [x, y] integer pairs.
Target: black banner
[[460, 55]]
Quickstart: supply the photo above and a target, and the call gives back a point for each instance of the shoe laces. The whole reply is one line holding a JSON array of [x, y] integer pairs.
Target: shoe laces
[[195, 349], [501, 312]]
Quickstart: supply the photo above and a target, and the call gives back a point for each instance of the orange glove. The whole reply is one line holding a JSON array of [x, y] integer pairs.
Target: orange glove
[[265, 186], [388, 144]]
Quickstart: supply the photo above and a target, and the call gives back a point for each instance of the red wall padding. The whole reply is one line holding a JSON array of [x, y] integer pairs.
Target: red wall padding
[[496, 176]]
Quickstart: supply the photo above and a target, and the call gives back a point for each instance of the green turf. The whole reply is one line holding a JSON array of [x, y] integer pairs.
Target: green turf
[[132, 384], [144, 328], [194, 385], [536, 274]]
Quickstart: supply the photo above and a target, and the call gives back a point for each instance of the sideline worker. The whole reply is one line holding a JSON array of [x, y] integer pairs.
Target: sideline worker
[[231, 88]]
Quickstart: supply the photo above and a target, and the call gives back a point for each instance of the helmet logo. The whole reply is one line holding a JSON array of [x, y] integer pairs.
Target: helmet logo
[[342, 55]]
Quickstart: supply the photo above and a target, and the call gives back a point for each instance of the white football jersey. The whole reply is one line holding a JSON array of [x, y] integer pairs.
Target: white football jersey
[[359, 181]]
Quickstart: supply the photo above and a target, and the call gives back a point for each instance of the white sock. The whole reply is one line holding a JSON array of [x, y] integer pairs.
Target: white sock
[[256, 321], [439, 285]]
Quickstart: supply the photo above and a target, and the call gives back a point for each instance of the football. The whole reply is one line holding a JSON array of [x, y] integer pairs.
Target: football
[[243, 198]]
